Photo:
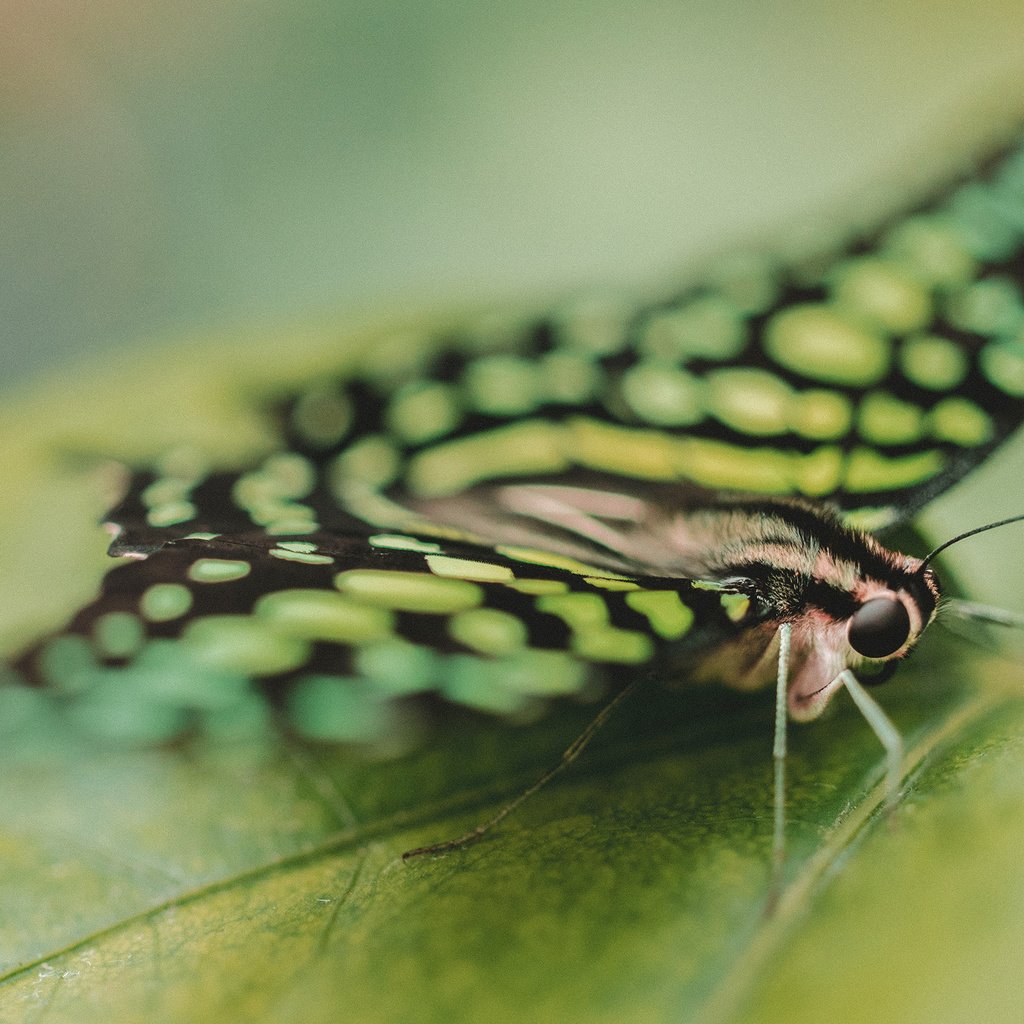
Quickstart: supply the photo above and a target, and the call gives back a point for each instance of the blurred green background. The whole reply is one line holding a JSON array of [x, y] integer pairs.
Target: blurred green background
[[173, 166]]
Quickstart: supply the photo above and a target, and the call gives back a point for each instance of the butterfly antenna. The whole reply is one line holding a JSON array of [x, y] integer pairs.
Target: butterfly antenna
[[982, 613], [964, 536], [570, 754]]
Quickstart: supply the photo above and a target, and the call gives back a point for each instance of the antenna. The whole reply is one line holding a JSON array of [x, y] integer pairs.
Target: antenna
[[964, 536]]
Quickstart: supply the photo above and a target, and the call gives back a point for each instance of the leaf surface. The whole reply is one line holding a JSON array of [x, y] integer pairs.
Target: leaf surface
[[261, 881]]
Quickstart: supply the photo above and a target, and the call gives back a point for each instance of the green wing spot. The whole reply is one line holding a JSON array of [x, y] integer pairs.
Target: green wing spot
[[338, 710], [607, 583], [245, 720], [961, 421], [288, 475], [537, 587], [321, 417], [719, 464], [399, 542], [933, 250], [818, 341], [886, 420], [932, 362], [750, 401], [502, 385], [624, 450], [488, 631], [281, 479], [305, 557], [820, 415], [883, 295], [818, 472], [423, 412], [705, 328], [291, 519], [986, 232], [253, 490], [595, 326], [166, 672], [990, 306], [468, 569], [537, 556], [243, 644], [372, 460], [171, 514], [218, 570], [543, 673], [662, 394], [118, 634], [712, 586], [669, 617], [112, 713], [164, 491], [275, 513], [533, 446], [67, 663], [578, 611], [409, 591], [593, 639], [570, 378], [480, 684], [323, 615], [620, 646], [397, 667], [164, 602], [1003, 364], [868, 470], [736, 606]]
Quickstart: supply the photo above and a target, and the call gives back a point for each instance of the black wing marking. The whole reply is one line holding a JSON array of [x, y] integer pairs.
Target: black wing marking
[[339, 632]]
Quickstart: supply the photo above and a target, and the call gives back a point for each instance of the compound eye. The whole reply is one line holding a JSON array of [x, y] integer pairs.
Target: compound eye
[[880, 627]]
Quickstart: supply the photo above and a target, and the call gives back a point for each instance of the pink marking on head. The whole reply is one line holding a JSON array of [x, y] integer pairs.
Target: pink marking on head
[[819, 652]]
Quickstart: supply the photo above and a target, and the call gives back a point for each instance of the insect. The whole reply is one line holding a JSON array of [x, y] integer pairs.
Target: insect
[[529, 508]]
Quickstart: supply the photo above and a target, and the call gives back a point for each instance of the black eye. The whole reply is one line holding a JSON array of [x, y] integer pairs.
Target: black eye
[[880, 627]]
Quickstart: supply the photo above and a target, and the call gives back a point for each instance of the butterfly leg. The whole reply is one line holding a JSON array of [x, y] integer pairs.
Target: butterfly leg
[[569, 755], [779, 761], [882, 727]]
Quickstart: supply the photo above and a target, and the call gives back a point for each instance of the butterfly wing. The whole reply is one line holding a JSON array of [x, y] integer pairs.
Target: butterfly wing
[[872, 382], [340, 631]]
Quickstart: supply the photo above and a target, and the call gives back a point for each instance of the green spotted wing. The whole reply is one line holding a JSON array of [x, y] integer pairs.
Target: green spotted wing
[[446, 521]]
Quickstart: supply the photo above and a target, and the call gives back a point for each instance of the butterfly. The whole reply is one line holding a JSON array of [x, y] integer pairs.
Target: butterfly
[[547, 506]]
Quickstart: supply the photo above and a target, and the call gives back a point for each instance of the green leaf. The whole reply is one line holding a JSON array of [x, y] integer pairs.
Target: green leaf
[[261, 881]]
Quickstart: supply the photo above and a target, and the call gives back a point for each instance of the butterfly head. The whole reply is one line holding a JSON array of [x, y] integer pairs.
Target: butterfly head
[[889, 615], [880, 626], [887, 623]]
